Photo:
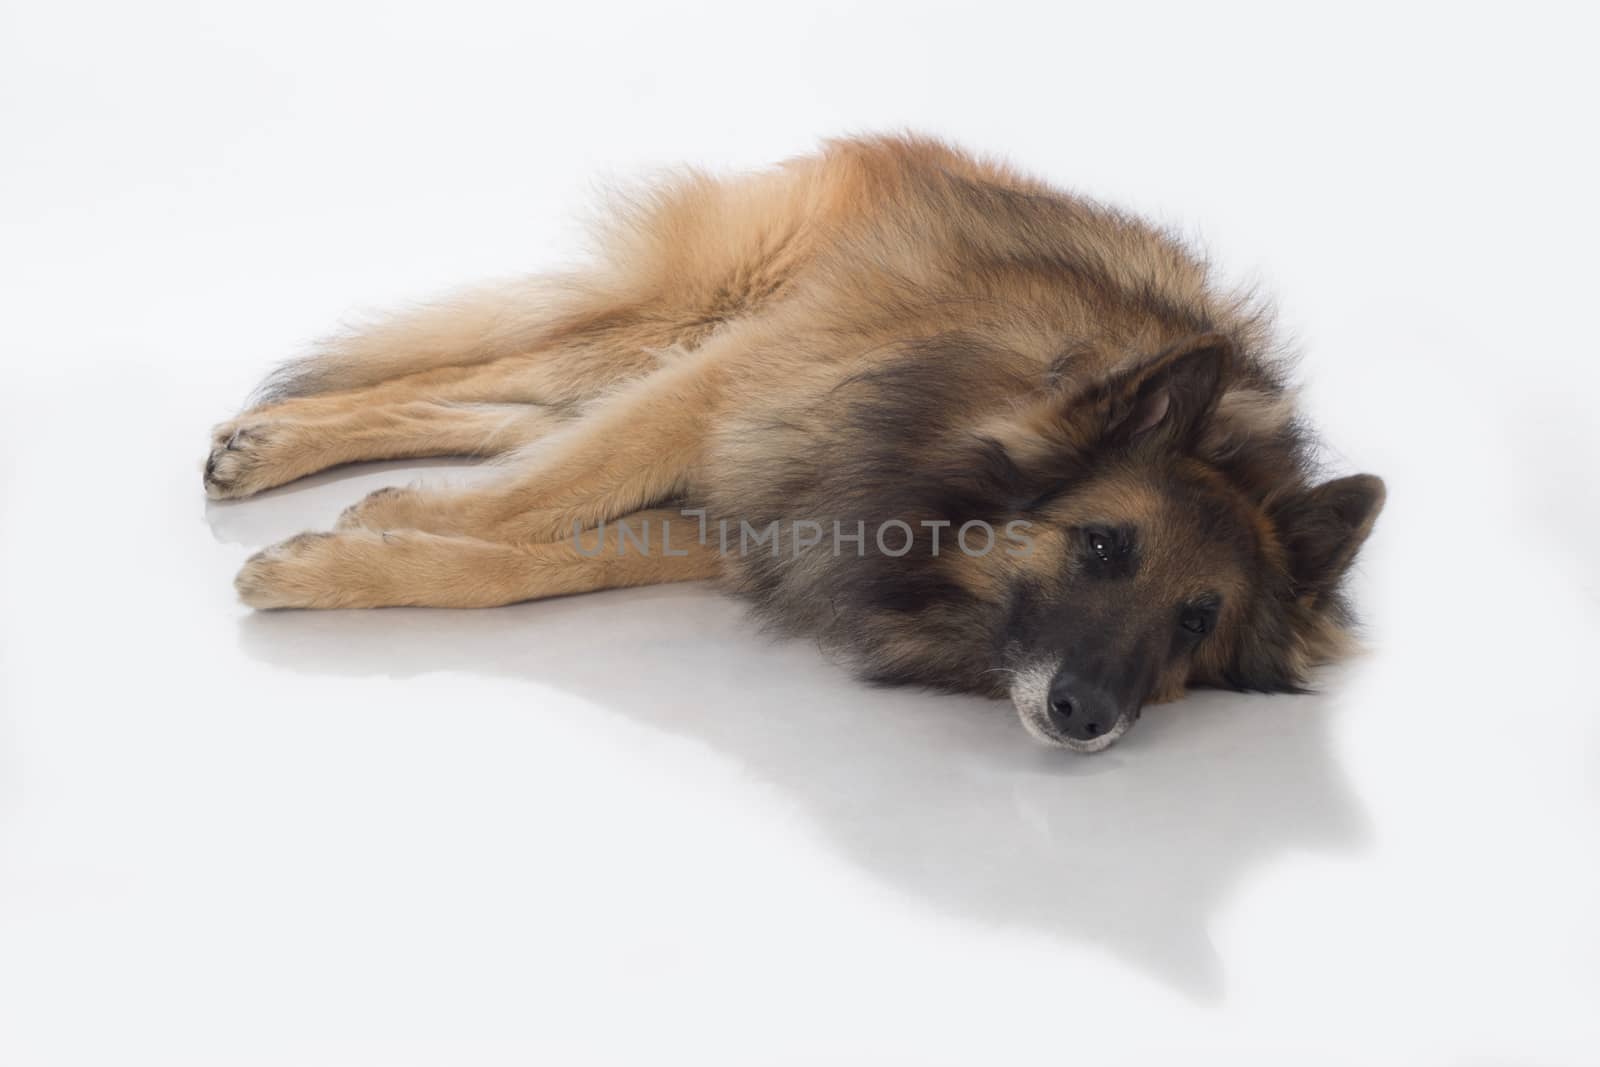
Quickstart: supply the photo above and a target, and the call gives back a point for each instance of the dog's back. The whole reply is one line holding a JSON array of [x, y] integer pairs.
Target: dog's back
[[890, 333]]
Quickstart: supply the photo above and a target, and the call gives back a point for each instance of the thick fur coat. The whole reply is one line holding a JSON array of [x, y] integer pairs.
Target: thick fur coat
[[841, 361]]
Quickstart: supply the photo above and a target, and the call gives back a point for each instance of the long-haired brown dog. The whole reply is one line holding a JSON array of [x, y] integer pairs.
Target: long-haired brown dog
[[970, 431]]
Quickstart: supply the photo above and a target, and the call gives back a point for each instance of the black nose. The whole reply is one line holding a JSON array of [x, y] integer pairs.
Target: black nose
[[1080, 711]]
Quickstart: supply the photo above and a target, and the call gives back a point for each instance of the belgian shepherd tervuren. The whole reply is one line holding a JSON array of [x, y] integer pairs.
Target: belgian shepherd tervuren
[[798, 382]]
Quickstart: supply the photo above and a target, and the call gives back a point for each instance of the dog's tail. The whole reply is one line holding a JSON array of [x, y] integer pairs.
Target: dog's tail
[[474, 326], [666, 259]]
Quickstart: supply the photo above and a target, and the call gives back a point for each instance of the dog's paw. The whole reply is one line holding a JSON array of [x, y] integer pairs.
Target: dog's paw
[[390, 508], [296, 573], [238, 464], [431, 510]]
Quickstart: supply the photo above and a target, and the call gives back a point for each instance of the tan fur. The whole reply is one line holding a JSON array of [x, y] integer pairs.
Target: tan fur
[[708, 356], [369, 569], [717, 268]]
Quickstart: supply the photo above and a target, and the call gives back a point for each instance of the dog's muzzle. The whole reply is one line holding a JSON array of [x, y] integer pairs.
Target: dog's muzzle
[[1060, 709]]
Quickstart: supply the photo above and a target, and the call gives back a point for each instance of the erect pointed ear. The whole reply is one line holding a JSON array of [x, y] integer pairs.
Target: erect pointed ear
[[1323, 528], [1166, 399]]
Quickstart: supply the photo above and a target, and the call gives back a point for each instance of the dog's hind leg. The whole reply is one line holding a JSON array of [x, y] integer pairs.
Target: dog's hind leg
[[367, 569], [477, 410], [688, 262], [637, 449], [261, 453]]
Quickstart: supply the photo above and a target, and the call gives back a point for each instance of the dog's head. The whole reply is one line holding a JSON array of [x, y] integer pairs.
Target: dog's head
[[1170, 544], [1160, 531], [1140, 525]]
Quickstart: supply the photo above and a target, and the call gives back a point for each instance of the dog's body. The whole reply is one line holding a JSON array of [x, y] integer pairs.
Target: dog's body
[[889, 334]]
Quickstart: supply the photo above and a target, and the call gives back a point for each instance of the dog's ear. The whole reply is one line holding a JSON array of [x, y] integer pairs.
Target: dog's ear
[[1163, 400], [1166, 399], [1323, 528]]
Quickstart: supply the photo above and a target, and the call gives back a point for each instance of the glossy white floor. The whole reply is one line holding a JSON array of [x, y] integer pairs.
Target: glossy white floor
[[626, 829]]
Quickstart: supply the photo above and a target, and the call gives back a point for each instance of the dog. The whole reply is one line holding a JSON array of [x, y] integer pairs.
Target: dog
[[796, 382]]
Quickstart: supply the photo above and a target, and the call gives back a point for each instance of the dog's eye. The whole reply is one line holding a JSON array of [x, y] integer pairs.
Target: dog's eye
[[1108, 550], [1198, 619]]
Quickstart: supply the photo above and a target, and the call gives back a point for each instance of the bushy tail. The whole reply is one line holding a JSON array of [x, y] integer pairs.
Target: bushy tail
[[670, 259], [477, 325]]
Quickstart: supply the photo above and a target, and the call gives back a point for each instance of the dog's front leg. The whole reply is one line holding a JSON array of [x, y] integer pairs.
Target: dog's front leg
[[366, 569]]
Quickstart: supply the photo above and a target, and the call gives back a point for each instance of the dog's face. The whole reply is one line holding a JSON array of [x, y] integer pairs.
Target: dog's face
[[1150, 569], [1171, 537], [1142, 581]]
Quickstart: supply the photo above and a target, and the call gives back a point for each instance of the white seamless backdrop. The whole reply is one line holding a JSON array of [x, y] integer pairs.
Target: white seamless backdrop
[[626, 828]]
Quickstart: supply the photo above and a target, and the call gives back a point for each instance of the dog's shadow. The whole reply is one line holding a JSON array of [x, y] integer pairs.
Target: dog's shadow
[[1135, 850]]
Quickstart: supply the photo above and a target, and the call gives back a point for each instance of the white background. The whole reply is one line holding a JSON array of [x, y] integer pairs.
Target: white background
[[624, 828]]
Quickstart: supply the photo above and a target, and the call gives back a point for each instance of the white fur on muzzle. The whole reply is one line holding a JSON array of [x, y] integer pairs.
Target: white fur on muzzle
[[1030, 692]]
